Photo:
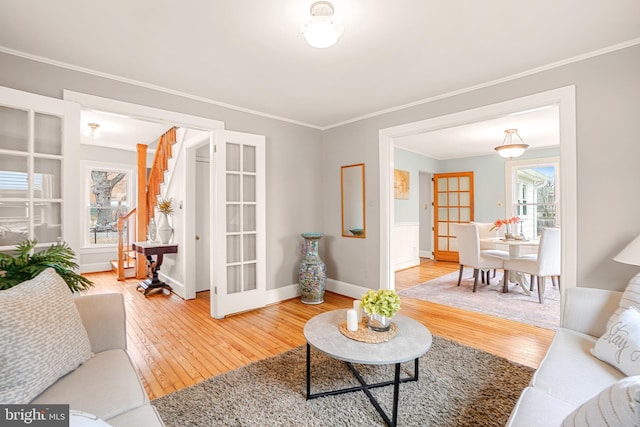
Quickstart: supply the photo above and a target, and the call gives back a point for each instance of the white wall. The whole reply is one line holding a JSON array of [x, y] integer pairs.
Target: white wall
[[607, 103]]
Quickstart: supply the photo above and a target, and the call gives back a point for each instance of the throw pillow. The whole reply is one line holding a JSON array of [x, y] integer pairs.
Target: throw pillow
[[616, 405], [630, 297], [42, 337], [620, 344]]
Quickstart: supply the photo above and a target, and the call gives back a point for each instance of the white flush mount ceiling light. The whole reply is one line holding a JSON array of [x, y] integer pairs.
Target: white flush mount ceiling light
[[322, 30], [509, 149]]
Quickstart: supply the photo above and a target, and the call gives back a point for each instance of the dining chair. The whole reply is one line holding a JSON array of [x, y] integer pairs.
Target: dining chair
[[485, 232], [470, 254], [546, 263]]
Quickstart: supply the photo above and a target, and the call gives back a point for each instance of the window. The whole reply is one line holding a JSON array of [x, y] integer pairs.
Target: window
[[534, 189], [108, 195]]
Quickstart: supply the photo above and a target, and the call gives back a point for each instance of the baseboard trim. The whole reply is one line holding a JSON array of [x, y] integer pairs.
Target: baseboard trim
[[96, 267], [407, 264]]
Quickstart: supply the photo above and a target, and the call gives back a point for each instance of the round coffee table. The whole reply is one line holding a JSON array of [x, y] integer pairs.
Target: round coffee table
[[412, 341]]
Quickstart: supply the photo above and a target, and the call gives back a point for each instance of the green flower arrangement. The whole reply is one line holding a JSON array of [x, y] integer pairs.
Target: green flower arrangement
[[383, 302]]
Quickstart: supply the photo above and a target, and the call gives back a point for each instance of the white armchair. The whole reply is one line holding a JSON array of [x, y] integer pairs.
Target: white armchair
[[470, 254], [546, 263]]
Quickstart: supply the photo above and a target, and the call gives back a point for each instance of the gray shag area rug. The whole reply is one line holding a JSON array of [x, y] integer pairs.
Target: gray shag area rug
[[457, 386]]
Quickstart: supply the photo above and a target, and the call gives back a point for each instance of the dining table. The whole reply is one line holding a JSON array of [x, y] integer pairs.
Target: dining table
[[514, 246]]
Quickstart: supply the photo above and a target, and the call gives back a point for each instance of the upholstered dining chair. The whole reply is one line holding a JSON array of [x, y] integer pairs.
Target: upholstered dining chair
[[484, 232], [546, 263], [471, 256]]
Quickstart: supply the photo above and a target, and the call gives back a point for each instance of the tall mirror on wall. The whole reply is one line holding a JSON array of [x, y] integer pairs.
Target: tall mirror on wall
[[353, 220]]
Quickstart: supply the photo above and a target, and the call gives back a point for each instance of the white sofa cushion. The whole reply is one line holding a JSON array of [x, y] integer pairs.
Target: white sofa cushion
[[42, 337], [620, 344], [536, 408], [630, 298], [570, 372], [617, 405], [106, 386]]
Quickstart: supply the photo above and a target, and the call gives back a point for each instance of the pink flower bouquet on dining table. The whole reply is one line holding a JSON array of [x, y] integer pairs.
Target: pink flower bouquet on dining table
[[507, 221]]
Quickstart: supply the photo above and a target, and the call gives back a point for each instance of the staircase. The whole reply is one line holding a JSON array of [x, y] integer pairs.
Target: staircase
[[133, 226]]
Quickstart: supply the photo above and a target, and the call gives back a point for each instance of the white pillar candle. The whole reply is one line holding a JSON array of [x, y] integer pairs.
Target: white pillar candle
[[352, 320], [358, 309]]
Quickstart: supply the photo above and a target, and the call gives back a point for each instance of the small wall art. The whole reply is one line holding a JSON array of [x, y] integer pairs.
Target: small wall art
[[400, 184]]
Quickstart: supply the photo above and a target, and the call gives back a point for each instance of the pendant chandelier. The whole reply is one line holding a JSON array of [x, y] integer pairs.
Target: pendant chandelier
[[509, 149]]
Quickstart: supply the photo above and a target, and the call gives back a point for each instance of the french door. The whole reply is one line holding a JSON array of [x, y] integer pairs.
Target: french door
[[453, 204], [238, 212], [39, 169]]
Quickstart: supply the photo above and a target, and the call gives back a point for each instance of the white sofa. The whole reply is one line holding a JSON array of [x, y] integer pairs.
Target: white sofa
[[60, 348], [106, 385], [569, 374]]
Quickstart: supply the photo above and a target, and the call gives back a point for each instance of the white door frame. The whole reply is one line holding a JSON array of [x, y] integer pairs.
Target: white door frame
[[165, 116], [190, 149], [564, 97]]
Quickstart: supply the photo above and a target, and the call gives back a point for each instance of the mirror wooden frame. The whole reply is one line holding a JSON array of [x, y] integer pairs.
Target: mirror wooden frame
[[353, 206]]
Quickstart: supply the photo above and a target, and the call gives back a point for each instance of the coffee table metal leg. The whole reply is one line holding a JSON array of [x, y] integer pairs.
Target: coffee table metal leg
[[393, 421], [396, 389], [308, 371]]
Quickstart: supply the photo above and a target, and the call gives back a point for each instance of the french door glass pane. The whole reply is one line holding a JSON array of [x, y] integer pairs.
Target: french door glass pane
[[442, 199], [465, 214], [465, 199], [250, 277], [453, 214], [47, 134], [233, 218], [249, 247], [249, 188], [233, 249], [249, 218], [233, 187], [233, 157], [453, 199], [47, 222], [47, 179], [14, 222], [14, 180], [248, 158], [453, 184], [442, 184], [442, 214], [14, 129], [443, 243], [453, 245], [465, 183], [234, 279], [443, 228]]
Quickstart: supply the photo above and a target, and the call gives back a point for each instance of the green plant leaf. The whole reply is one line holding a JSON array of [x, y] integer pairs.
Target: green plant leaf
[[25, 264]]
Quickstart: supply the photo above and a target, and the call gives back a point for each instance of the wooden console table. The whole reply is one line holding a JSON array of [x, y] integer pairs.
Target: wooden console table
[[150, 249]]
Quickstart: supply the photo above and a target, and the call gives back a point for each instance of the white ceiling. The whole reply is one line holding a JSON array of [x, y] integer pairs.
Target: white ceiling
[[248, 54], [539, 128], [118, 131]]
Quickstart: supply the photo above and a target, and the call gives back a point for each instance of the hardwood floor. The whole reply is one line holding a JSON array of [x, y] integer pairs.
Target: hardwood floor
[[175, 343]]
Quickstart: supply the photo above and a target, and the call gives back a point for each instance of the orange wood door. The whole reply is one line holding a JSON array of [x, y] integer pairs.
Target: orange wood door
[[453, 204]]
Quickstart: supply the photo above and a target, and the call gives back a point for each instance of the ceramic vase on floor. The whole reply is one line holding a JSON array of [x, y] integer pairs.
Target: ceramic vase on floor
[[312, 274], [164, 230]]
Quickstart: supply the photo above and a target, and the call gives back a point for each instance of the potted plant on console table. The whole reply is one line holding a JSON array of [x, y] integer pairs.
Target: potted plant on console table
[[380, 307]]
